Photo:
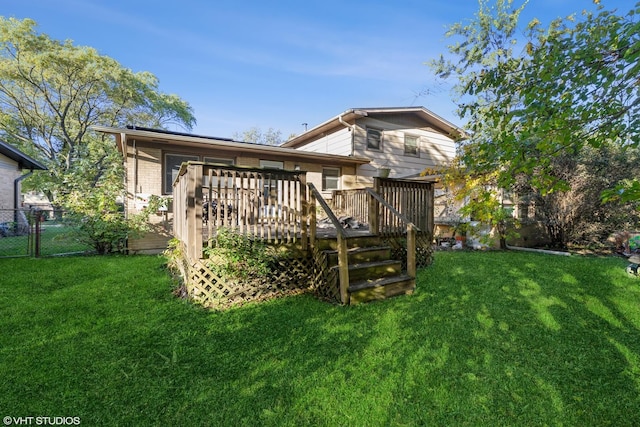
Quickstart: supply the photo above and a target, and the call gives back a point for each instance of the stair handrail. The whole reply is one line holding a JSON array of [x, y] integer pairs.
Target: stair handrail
[[343, 258], [412, 230]]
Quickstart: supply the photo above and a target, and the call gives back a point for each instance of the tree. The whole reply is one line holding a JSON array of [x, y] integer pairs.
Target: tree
[[256, 136], [481, 201], [572, 85], [52, 92], [578, 215]]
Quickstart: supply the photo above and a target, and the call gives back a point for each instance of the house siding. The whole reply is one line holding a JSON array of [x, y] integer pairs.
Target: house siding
[[9, 172], [434, 148], [338, 142], [144, 175]]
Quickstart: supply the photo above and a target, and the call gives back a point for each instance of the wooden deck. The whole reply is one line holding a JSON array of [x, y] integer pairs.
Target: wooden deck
[[280, 208]]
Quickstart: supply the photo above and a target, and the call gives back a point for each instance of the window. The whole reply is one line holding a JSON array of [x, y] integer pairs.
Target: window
[[270, 192], [411, 145], [219, 161], [172, 164], [330, 179], [374, 139], [271, 164]]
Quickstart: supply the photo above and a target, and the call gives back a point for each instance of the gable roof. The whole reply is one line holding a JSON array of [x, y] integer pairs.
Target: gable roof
[[349, 116], [24, 161], [222, 145]]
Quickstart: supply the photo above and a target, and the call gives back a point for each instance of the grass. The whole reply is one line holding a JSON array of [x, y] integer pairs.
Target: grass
[[56, 238], [496, 338]]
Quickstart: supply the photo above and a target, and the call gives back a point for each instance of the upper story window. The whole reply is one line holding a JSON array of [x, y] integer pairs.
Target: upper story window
[[374, 139], [411, 145], [172, 164]]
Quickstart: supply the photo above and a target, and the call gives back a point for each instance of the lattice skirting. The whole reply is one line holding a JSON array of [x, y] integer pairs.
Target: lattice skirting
[[325, 279], [424, 250], [288, 276]]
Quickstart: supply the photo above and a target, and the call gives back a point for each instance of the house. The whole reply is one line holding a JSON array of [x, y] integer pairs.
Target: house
[[13, 163], [343, 153], [275, 193], [152, 160], [400, 142]]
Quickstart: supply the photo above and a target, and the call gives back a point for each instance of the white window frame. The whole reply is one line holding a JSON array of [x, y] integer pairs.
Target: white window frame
[[408, 151], [371, 135]]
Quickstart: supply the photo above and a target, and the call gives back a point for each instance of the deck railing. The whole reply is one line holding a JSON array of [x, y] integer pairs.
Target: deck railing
[[341, 235], [391, 229], [266, 204], [411, 199]]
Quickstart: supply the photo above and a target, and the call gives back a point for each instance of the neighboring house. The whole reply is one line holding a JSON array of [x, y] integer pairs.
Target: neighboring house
[[13, 163], [152, 159], [400, 141]]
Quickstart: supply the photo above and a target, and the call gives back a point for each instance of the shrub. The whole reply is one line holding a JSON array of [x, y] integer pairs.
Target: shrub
[[236, 256]]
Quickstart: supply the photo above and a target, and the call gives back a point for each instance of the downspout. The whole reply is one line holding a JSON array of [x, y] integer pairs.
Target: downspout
[[352, 131], [16, 188], [135, 169], [16, 195]]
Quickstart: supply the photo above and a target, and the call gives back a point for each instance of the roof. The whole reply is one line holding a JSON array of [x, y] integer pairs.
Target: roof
[[221, 144], [349, 116], [24, 161]]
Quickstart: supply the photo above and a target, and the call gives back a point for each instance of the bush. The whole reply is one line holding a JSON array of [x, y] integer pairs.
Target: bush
[[235, 256], [101, 222]]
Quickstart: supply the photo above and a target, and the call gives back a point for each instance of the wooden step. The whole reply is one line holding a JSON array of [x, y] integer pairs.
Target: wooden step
[[375, 269], [379, 289], [359, 255], [361, 241]]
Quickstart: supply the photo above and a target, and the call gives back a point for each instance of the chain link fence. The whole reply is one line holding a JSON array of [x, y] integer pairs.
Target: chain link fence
[[38, 232]]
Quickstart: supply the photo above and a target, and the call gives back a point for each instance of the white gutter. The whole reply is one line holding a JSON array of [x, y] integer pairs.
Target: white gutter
[[342, 122]]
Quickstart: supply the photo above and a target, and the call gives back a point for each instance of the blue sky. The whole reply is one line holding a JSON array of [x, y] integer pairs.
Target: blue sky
[[277, 64]]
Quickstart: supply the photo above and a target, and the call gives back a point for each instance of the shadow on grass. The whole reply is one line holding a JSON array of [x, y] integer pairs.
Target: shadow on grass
[[487, 339], [531, 339]]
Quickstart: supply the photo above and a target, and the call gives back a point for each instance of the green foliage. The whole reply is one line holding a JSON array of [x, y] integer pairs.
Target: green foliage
[[579, 215], [573, 85], [481, 200], [52, 92], [627, 190], [100, 219], [236, 256]]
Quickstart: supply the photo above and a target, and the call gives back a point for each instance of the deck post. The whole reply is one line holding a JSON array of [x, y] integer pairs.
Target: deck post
[[374, 208], [304, 206], [312, 219], [411, 251], [194, 211], [343, 268]]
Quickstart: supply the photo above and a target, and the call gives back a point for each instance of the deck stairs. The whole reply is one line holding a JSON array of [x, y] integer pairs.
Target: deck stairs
[[373, 273]]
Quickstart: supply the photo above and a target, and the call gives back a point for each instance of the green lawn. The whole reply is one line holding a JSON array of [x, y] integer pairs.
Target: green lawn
[[494, 338]]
